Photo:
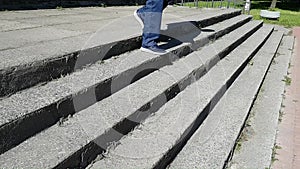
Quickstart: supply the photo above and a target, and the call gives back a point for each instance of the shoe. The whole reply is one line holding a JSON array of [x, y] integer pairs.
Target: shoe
[[154, 50], [138, 17]]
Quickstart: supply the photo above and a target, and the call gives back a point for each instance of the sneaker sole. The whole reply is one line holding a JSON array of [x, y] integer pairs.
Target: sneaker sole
[[152, 52], [138, 18]]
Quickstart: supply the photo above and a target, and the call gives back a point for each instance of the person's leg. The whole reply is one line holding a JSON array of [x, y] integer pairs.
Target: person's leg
[[152, 15]]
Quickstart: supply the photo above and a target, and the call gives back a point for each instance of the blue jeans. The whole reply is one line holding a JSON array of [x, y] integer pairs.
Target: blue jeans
[[152, 14]]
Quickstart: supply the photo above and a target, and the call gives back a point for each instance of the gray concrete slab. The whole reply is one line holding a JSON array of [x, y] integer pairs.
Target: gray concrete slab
[[211, 145], [286, 31], [23, 14], [97, 74], [31, 105], [12, 40], [156, 141], [125, 103], [6, 25], [256, 147], [110, 68]]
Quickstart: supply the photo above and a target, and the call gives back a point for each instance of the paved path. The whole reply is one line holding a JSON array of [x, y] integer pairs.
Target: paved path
[[289, 129]]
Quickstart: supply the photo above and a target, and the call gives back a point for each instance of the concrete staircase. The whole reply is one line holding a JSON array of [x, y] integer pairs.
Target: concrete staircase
[[113, 106]]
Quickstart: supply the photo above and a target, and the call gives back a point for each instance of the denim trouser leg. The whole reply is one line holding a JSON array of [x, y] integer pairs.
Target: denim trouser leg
[[152, 13]]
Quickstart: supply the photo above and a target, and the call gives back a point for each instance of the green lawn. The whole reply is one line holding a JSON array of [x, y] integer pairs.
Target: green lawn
[[287, 18], [289, 12]]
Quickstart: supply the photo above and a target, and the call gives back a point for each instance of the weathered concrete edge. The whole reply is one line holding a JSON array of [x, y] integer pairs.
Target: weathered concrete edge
[[197, 117], [89, 152], [14, 131], [249, 112], [219, 103], [17, 78], [172, 153], [277, 72]]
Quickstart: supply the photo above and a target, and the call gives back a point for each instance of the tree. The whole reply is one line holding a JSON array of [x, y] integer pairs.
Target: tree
[[273, 4]]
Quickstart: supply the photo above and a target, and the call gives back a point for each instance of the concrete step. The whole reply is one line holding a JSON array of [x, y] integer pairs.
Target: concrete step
[[211, 145], [66, 51], [159, 139], [30, 111], [77, 141], [257, 140]]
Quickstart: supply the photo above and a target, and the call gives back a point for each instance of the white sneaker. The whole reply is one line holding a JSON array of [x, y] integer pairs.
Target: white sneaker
[[154, 50]]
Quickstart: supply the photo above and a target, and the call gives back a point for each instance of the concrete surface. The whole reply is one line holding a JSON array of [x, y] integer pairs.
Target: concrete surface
[[159, 138], [56, 99], [121, 109], [66, 35], [259, 134], [269, 14], [128, 102], [211, 144], [75, 21]]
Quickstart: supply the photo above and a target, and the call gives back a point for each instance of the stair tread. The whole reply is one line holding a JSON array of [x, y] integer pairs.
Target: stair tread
[[35, 98], [21, 37], [213, 142], [146, 146], [59, 98], [111, 112]]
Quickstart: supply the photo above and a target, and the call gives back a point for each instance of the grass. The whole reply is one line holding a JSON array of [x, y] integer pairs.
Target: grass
[[251, 62], [289, 11], [274, 153], [287, 80], [281, 113], [242, 138], [59, 8], [238, 146], [103, 5]]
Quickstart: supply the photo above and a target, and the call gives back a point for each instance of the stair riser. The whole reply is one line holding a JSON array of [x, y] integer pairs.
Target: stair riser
[[22, 77]]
